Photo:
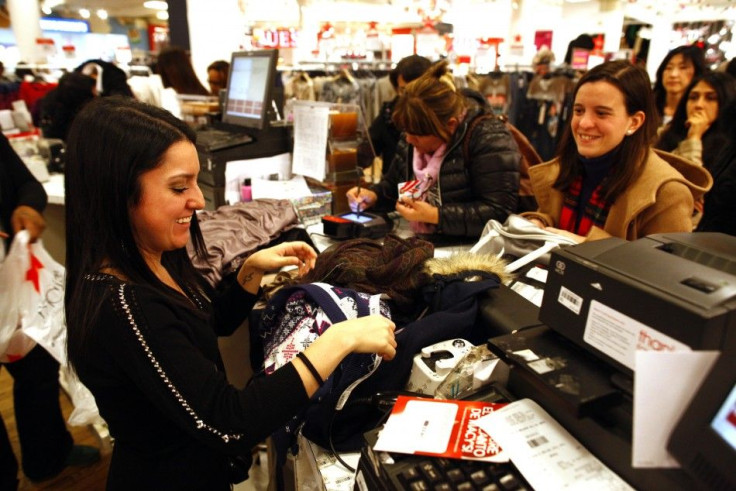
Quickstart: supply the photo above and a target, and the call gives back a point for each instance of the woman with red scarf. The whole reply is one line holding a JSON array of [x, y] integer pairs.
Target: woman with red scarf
[[607, 180]]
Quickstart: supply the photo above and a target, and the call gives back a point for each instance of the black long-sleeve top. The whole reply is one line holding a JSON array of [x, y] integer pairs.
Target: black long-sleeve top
[[17, 185], [158, 380]]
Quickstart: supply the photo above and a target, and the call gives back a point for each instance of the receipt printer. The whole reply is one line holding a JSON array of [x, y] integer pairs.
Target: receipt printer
[[434, 363], [663, 292], [354, 225]]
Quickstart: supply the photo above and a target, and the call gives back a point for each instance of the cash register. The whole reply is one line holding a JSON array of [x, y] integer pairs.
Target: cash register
[[244, 130], [603, 300]]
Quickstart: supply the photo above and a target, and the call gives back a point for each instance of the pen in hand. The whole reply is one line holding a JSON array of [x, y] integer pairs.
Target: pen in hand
[[358, 211], [358, 202]]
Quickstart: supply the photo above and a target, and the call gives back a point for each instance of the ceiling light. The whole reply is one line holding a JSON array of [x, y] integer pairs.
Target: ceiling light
[[162, 15], [156, 5], [102, 14], [84, 13]]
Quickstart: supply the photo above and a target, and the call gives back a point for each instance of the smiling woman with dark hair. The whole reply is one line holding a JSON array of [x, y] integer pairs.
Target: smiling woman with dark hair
[[143, 325], [606, 180]]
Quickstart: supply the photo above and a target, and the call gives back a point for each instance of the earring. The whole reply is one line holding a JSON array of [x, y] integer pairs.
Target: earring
[[629, 132]]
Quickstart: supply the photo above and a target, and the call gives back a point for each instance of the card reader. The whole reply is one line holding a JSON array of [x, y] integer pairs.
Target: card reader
[[353, 225]]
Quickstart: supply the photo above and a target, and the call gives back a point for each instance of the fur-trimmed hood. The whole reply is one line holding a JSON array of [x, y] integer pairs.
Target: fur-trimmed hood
[[461, 262]]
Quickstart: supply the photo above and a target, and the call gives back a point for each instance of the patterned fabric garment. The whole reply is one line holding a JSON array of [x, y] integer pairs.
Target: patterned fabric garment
[[297, 316]]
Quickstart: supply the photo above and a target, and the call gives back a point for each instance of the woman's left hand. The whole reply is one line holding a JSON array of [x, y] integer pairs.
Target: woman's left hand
[[577, 238], [298, 254], [418, 211]]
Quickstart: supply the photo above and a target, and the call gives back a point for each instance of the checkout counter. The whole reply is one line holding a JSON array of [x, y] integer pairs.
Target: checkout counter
[[688, 281]]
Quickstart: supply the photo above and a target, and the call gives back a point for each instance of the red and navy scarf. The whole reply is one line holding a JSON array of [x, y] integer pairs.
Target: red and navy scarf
[[594, 212]]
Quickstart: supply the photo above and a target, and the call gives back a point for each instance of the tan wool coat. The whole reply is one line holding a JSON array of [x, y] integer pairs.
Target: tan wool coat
[[660, 200]]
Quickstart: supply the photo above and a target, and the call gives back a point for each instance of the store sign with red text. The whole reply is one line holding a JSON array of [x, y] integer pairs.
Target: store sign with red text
[[277, 38]]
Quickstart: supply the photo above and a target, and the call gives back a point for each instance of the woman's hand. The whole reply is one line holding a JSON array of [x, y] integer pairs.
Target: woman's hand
[[418, 211], [27, 218], [360, 198], [577, 238], [369, 334], [297, 254], [536, 221], [697, 124]]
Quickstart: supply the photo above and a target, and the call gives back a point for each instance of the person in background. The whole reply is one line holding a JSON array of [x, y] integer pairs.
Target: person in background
[[456, 194], [217, 73], [674, 74], [45, 442], [58, 108], [607, 180], [142, 323], [109, 78], [176, 71], [696, 131], [384, 135], [720, 201]]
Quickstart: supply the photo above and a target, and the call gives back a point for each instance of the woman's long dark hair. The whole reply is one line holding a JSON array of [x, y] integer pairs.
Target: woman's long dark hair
[[692, 53], [176, 70], [631, 154], [112, 142], [715, 137]]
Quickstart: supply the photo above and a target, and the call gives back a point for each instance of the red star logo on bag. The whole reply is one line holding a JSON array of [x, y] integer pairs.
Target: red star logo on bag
[[32, 273]]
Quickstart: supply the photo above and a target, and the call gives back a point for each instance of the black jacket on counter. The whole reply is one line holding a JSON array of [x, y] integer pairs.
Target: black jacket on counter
[[470, 193]]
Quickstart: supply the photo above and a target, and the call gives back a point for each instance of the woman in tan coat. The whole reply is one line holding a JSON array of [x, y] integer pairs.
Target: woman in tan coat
[[607, 180]]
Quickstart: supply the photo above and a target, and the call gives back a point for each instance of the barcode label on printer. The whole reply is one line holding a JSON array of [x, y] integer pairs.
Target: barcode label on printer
[[535, 442], [570, 300]]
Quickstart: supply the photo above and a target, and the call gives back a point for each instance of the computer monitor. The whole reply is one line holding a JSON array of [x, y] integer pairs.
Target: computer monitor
[[704, 440], [249, 88]]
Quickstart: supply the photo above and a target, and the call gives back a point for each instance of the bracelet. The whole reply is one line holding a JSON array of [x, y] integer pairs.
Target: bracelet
[[311, 368]]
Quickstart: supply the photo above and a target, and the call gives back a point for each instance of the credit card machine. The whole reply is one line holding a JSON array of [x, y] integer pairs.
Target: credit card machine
[[353, 225]]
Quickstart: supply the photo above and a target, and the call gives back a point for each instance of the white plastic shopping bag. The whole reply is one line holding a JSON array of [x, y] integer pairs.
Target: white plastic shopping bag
[[31, 301], [45, 286], [14, 302]]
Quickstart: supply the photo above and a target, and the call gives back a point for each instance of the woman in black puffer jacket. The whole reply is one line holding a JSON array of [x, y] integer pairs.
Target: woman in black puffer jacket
[[458, 189]]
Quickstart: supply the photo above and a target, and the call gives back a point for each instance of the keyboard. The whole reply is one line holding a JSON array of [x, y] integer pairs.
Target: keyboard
[[212, 140], [439, 474], [398, 472]]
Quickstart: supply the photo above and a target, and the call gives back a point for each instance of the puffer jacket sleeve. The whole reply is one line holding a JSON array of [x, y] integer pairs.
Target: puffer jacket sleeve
[[486, 187], [387, 189]]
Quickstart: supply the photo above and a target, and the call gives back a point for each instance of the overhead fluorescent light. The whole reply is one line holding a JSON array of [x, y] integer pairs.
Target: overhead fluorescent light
[[162, 15], [156, 5]]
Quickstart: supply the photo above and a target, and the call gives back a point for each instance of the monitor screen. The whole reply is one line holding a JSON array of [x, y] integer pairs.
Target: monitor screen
[[724, 423], [249, 87], [704, 439]]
